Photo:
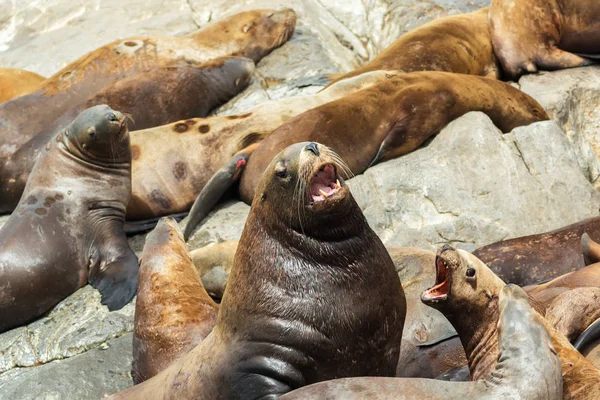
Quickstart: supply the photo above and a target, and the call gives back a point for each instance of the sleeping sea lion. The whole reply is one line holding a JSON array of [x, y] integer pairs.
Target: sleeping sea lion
[[17, 82], [251, 34], [312, 295], [68, 228]]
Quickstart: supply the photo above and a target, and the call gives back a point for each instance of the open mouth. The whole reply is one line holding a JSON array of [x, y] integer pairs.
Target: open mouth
[[324, 184], [442, 282]]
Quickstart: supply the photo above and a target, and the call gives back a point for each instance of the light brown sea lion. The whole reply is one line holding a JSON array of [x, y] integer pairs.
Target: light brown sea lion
[[532, 259], [457, 43], [544, 34], [214, 264], [17, 82], [173, 312], [386, 121], [251, 34], [527, 367], [299, 306], [68, 228], [572, 312], [466, 292]]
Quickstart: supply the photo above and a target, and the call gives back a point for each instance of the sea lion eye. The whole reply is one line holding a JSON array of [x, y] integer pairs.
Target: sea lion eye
[[112, 118], [281, 171], [470, 272], [92, 132]]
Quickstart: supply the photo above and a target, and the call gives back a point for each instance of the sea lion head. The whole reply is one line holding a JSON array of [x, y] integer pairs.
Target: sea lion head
[[462, 281], [303, 189], [99, 134]]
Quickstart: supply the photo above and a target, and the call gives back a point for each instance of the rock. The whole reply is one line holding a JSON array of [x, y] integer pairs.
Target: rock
[[571, 98], [92, 375]]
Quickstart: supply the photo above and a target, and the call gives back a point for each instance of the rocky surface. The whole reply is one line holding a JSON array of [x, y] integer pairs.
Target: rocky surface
[[469, 186]]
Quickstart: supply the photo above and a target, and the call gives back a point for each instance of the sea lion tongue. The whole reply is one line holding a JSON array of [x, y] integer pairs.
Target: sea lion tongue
[[324, 183]]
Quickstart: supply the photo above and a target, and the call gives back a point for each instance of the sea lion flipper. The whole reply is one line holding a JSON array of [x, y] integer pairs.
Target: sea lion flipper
[[589, 335], [560, 59], [214, 190], [135, 227], [590, 250], [117, 281]]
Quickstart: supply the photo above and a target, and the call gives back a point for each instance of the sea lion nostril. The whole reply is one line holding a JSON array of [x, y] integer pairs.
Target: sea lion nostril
[[446, 247], [313, 148]]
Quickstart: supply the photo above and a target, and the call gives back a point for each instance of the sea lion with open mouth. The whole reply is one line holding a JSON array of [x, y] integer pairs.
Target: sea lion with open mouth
[[68, 228], [313, 294]]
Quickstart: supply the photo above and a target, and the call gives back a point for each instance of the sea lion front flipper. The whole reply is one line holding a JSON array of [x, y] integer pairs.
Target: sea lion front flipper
[[590, 250], [559, 59], [589, 335], [214, 189], [135, 227], [116, 281]]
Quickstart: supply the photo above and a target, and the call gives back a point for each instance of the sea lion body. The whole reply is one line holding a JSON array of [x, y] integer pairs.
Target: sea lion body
[[544, 34], [68, 228], [251, 34], [152, 98], [458, 43], [17, 82], [537, 258], [299, 305]]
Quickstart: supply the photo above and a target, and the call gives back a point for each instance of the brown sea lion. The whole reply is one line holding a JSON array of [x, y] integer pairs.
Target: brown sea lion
[[466, 291], [17, 82], [458, 43], [214, 264], [68, 228], [544, 34], [386, 121], [173, 312], [299, 307], [151, 98], [527, 367], [251, 34], [572, 312], [528, 260]]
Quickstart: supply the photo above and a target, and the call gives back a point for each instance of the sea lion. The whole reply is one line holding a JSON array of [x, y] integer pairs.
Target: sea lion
[[528, 260], [68, 228], [572, 312], [544, 34], [299, 307], [527, 367], [157, 97], [173, 312], [588, 343], [457, 43], [251, 34], [172, 163], [388, 120], [17, 82], [466, 292], [213, 264]]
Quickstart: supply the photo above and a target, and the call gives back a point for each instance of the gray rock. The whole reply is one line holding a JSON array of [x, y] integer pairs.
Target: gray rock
[[102, 371]]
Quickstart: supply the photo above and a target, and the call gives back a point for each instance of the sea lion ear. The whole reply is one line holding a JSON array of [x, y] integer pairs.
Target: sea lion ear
[[117, 282]]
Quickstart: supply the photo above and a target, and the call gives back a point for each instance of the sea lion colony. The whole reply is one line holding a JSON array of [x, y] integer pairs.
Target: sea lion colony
[[298, 317]]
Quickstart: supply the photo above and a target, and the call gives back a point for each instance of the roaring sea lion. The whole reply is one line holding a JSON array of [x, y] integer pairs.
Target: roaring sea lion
[[458, 43], [528, 260], [527, 367], [312, 296], [173, 312], [466, 291], [68, 228], [544, 34], [157, 97], [388, 120], [17, 82], [251, 34]]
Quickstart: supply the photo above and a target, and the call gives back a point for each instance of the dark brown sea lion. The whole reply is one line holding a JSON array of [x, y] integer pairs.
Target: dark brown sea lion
[[17, 82], [251, 34], [527, 367], [299, 307], [537, 258], [68, 228], [466, 292], [151, 98], [388, 120], [458, 43], [544, 34], [173, 312]]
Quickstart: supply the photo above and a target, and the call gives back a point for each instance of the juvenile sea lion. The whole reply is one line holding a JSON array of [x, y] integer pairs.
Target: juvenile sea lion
[[157, 97], [528, 260], [466, 291], [17, 82], [544, 34], [300, 306], [173, 312], [457, 43], [68, 228], [527, 367], [251, 34], [390, 119]]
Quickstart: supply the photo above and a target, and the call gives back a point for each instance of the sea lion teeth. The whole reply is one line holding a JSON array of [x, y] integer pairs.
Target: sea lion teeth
[[337, 184], [323, 193]]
